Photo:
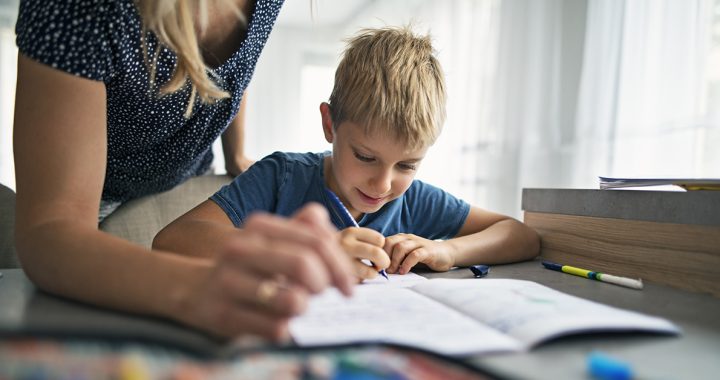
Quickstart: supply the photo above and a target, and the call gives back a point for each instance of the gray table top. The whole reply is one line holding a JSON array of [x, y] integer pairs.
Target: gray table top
[[694, 354]]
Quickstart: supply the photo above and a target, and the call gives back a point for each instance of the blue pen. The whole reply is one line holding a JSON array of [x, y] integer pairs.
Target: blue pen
[[346, 218]]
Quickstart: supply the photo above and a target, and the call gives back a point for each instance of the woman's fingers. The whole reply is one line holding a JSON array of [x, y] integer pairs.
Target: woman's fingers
[[316, 217], [269, 257], [237, 321], [274, 295], [265, 275]]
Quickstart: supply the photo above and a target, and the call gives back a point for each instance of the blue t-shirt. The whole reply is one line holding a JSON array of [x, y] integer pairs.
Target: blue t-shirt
[[152, 147], [282, 183]]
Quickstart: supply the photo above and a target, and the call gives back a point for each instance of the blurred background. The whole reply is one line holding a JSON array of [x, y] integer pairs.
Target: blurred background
[[542, 93]]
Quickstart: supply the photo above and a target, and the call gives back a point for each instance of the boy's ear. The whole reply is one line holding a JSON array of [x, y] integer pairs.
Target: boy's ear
[[327, 122]]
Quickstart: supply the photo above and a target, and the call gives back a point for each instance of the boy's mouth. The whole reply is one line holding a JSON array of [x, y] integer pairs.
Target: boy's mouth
[[369, 199]]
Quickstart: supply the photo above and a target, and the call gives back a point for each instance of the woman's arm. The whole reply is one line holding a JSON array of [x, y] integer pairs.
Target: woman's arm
[[60, 157], [233, 143], [60, 152]]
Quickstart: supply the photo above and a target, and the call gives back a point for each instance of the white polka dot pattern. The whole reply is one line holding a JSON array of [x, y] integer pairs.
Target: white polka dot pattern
[[152, 147]]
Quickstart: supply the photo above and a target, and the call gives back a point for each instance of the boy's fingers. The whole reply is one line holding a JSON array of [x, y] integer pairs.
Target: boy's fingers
[[400, 250], [362, 250], [412, 259], [363, 271], [364, 235]]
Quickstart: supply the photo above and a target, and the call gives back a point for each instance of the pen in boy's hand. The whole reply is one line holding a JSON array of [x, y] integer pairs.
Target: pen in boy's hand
[[348, 221]]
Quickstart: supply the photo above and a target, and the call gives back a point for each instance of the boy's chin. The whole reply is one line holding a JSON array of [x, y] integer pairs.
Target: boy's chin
[[372, 209]]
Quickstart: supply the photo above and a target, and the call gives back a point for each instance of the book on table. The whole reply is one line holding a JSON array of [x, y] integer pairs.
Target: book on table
[[460, 317], [685, 183]]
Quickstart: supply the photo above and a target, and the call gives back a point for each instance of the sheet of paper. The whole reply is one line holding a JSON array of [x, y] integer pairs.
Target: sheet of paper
[[402, 280], [533, 313], [394, 314]]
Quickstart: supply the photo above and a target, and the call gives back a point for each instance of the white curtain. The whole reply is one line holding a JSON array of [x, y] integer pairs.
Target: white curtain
[[509, 109], [645, 106], [555, 93]]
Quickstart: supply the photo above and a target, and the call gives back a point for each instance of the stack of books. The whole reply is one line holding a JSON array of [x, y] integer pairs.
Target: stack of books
[[685, 183]]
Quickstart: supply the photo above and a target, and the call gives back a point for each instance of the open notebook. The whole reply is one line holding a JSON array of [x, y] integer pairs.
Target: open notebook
[[460, 317]]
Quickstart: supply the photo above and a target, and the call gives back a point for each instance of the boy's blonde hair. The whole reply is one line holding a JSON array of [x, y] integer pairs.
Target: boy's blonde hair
[[389, 81], [173, 22]]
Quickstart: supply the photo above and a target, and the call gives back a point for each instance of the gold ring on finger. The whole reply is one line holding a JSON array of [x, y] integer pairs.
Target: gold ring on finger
[[266, 291]]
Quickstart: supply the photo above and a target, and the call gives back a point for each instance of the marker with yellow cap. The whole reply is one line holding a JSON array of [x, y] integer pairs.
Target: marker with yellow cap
[[617, 280]]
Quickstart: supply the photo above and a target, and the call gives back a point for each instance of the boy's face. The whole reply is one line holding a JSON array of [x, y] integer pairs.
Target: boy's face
[[367, 171]]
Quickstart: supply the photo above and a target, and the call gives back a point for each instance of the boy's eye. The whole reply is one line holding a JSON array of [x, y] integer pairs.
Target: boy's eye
[[363, 158], [407, 167]]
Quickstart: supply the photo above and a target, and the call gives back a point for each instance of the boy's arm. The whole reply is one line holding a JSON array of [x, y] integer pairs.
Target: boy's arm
[[491, 238], [485, 237], [201, 232]]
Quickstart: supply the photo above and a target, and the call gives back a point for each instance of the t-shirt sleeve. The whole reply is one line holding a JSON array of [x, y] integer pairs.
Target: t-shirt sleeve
[[436, 214], [74, 36], [256, 189]]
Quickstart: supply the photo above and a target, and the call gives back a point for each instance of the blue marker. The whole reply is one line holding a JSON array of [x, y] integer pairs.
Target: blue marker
[[603, 367], [480, 271], [346, 218]]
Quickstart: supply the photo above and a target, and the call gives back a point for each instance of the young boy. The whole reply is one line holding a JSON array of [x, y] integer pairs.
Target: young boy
[[386, 109]]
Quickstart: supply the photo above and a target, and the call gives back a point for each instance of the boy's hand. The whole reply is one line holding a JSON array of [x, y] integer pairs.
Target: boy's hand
[[364, 243], [407, 250]]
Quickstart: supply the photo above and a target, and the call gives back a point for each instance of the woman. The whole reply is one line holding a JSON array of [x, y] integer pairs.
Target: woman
[[120, 99]]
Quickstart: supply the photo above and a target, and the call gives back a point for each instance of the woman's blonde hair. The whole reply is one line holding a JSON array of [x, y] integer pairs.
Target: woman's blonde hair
[[389, 81], [174, 24]]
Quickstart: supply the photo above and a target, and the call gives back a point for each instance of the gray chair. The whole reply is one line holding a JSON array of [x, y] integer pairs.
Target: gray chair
[[141, 219], [8, 258]]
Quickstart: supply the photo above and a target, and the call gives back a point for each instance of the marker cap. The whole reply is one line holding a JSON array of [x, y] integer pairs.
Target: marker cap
[[601, 366]]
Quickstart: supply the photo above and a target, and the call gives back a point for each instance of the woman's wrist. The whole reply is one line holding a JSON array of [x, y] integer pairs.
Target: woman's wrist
[[182, 277]]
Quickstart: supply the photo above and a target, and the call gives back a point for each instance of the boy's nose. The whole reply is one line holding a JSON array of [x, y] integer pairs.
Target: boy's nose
[[380, 183]]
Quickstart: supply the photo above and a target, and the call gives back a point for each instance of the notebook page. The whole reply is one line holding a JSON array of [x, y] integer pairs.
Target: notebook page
[[392, 314], [532, 313], [402, 280]]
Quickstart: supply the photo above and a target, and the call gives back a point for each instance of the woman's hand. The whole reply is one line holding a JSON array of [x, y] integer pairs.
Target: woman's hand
[[265, 275], [407, 250], [364, 244]]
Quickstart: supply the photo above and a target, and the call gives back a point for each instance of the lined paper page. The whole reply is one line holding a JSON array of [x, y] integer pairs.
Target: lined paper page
[[533, 313], [402, 280], [394, 314]]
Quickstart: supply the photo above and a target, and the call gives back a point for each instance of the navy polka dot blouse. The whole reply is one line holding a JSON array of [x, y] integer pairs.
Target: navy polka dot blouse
[[152, 147]]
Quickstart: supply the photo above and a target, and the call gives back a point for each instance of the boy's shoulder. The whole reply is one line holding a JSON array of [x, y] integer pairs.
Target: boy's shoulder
[[293, 158], [419, 188], [422, 195]]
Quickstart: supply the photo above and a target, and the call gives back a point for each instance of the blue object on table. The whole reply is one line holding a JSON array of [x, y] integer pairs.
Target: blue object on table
[[480, 271], [346, 218], [603, 367]]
